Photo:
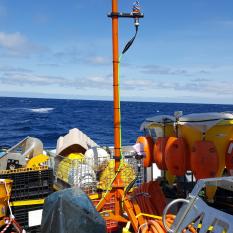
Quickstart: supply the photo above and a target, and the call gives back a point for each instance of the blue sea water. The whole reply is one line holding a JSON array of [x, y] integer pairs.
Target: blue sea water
[[48, 119]]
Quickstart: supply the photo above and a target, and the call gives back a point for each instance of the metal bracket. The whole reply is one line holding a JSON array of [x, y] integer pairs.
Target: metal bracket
[[125, 15]]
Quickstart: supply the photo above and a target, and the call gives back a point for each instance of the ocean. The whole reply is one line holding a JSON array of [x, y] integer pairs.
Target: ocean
[[47, 119]]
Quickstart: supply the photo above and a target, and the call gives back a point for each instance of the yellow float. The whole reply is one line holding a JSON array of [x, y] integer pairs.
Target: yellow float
[[127, 175], [212, 127]]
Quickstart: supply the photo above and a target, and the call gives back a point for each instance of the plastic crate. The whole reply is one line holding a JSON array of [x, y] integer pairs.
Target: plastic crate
[[74, 173], [21, 214], [130, 157], [34, 230], [32, 184], [111, 225]]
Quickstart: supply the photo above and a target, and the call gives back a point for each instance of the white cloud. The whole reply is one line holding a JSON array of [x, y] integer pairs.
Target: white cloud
[[164, 70], [16, 44], [98, 82], [18, 76], [12, 41], [98, 60], [28, 78], [204, 86]]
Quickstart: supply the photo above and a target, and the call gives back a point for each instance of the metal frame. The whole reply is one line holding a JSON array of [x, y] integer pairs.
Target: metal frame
[[197, 214]]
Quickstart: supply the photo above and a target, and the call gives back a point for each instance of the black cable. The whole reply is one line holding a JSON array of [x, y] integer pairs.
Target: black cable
[[128, 45]]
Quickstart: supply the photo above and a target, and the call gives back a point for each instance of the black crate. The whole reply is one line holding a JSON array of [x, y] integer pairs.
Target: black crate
[[34, 230], [21, 215], [30, 184]]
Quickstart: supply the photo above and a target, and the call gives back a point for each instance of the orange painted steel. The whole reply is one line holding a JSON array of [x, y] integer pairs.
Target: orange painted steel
[[137, 210], [107, 213], [159, 152], [176, 156], [117, 190], [117, 117], [129, 208], [204, 160], [229, 157], [148, 145]]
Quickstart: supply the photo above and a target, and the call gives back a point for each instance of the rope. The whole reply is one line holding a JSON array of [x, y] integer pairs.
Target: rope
[[110, 185], [8, 201], [143, 225], [154, 223], [119, 104], [7, 226], [128, 45]]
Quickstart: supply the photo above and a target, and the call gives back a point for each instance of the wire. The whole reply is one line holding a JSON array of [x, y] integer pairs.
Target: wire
[[121, 154], [126, 48], [8, 201], [143, 225], [110, 185], [130, 42], [7, 226]]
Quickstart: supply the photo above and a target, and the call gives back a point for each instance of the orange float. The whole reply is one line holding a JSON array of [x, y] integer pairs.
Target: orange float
[[148, 145], [176, 156], [229, 157], [159, 152], [204, 160]]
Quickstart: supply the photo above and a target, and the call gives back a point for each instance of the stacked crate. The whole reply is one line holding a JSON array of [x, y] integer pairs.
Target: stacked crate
[[109, 207], [30, 187]]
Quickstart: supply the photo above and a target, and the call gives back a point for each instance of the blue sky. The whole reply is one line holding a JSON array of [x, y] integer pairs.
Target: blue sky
[[62, 49]]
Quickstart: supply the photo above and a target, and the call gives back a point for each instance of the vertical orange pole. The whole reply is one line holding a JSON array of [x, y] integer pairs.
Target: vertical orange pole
[[117, 151]]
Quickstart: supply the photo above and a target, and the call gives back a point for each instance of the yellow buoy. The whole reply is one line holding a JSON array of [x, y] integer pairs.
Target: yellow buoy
[[37, 161], [127, 175]]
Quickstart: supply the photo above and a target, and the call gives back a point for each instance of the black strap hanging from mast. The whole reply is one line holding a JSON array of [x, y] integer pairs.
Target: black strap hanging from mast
[[128, 45], [135, 14]]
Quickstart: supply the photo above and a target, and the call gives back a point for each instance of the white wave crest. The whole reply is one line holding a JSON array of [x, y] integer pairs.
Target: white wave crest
[[41, 110]]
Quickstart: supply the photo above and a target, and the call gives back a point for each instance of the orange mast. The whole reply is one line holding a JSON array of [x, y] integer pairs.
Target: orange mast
[[117, 190], [117, 117]]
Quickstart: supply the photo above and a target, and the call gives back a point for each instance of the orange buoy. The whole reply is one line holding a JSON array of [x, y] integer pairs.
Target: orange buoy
[[229, 157], [176, 153], [204, 160], [159, 152], [148, 145]]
